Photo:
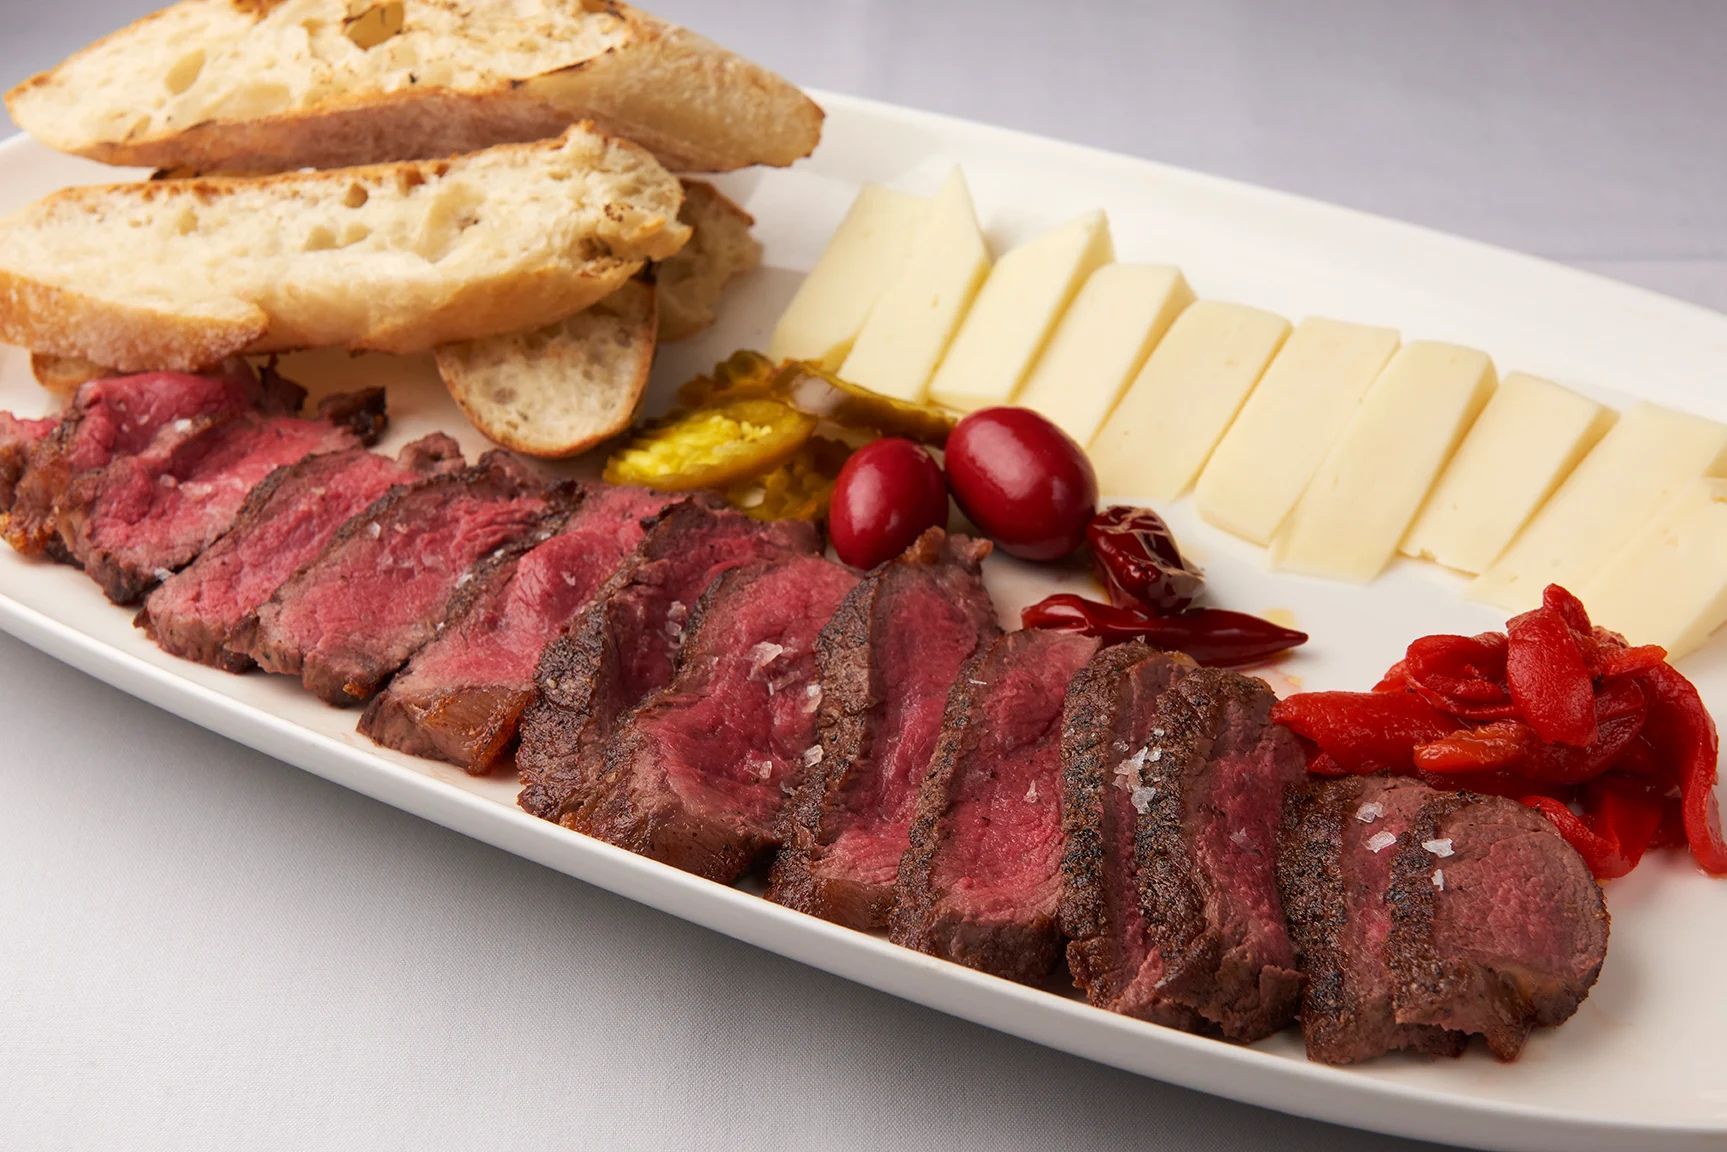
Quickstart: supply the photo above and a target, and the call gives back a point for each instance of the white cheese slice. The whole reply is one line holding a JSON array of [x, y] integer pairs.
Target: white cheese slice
[[1667, 584], [866, 252], [1182, 401], [915, 319], [1641, 464], [1116, 320], [1016, 310], [1264, 462], [1348, 523], [1528, 439]]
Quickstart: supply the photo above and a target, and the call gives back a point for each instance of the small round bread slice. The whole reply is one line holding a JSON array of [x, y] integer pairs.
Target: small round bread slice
[[561, 389], [720, 250]]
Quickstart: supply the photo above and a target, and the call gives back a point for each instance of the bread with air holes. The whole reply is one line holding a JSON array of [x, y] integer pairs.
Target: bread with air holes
[[720, 250], [273, 85], [179, 274]]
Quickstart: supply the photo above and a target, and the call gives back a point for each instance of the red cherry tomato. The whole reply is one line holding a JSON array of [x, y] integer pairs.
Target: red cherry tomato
[[887, 494], [1023, 481]]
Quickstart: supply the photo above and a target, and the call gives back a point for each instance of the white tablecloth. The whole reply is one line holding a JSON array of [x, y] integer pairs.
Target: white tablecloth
[[201, 947]]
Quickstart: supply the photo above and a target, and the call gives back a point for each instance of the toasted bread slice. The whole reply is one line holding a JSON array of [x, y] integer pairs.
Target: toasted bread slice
[[274, 85], [561, 389], [720, 250], [64, 373], [179, 274]]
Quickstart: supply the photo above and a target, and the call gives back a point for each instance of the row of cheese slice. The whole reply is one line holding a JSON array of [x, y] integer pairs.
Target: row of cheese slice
[[1334, 444]]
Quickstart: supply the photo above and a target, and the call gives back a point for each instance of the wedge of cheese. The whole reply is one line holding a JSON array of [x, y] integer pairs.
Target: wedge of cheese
[[1183, 399], [1528, 439], [1118, 317], [914, 321], [1667, 584], [1264, 462], [1348, 523], [867, 251], [1018, 307], [1647, 458]]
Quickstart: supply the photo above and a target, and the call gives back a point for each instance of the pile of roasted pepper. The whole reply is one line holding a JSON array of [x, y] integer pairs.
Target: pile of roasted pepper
[[1609, 742], [771, 437]]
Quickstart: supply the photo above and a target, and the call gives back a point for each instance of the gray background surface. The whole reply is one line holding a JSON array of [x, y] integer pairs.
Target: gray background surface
[[202, 947]]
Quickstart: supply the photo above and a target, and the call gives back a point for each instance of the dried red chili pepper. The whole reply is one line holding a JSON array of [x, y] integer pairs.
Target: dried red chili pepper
[[1685, 742], [1137, 560], [1548, 674], [1515, 748], [1363, 733], [1210, 635], [1461, 675]]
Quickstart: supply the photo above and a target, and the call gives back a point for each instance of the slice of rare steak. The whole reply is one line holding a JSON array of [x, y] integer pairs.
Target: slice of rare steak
[[888, 658], [981, 881], [18, 436], [381, 587], [1497, 927], [122, 416], [146, 516], [1106, 724], [696, 775], [1337, 844], [460, 697], [284, 524], [1214, 769], [622, 645]]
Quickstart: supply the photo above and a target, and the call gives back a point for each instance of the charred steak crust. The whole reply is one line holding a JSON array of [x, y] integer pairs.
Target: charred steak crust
[[1310, 883], [860, 695], [697, 773], [1108, 949], [1216, 770], [977, 745], [461, 696], [362, 412], [321, 626], [18, 438], [1526, 946], [622, 646]]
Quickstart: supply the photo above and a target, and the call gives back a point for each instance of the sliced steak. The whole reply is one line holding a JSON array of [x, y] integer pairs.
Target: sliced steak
[[145, 516], [381, 588], [460, 697], [1215, 769], [122, 416], [1334, 865], [1106, 724], [1497, 926], [696, 775], [284, 524], [18, 436], [981, 881], [888, 658], [621, 647]]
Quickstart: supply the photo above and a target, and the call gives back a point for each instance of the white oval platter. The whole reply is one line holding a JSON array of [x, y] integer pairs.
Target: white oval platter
[[1638, 1067]]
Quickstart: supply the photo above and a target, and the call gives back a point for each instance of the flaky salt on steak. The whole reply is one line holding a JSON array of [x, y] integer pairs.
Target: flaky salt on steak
[[460, 697], [146, 516], [621, 647], [287, 520], [382, 586], [888, 658], [121, 416], [981, 880], [1215, 770], [1338, 842], [696, 775], [1497, 926], [1105, 726]]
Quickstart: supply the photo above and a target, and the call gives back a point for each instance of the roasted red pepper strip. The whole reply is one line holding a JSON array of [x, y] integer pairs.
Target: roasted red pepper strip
[[1548, 675], [1684, 739], [1461, 675], [1515, 748], [1620, 821], [1618, 660], [1211, 636], [1362, 733]]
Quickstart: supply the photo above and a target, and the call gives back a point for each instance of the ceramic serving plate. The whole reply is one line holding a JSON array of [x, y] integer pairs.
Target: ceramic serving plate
[[1636, 1068]]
